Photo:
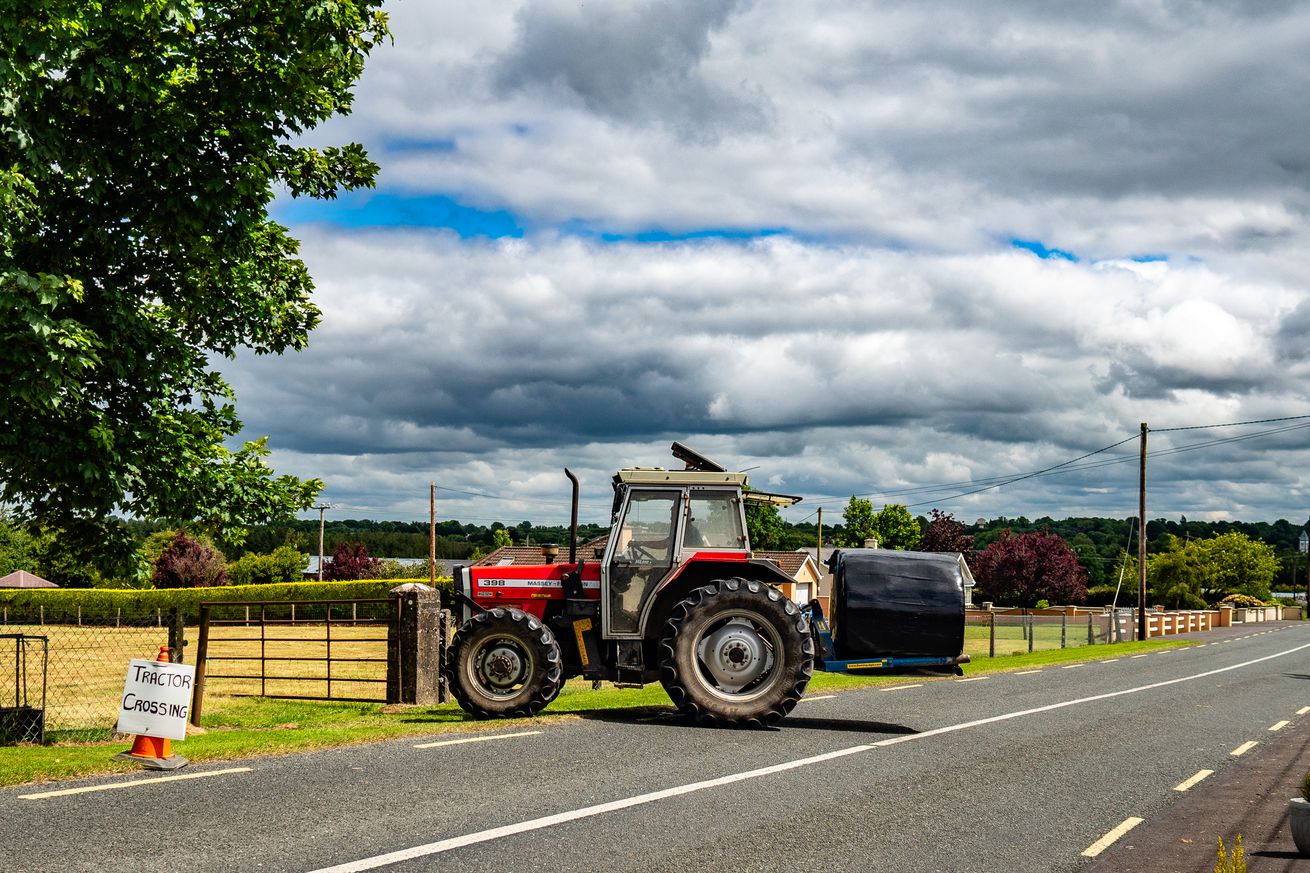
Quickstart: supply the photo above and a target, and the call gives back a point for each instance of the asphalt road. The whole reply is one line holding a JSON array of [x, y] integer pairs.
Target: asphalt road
[[1013, 772]]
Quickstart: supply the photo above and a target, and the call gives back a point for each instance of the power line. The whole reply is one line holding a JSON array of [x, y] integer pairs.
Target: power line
[[1230, 424]]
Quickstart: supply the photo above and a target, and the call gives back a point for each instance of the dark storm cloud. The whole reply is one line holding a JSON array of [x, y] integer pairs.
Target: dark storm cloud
[[631, 62], [886, 335]]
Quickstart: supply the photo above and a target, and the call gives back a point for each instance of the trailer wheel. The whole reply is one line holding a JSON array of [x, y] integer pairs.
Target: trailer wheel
[[504, 663], [736, 652]]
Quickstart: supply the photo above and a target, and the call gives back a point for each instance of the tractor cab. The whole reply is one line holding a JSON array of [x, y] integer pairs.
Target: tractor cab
[[662, 520]]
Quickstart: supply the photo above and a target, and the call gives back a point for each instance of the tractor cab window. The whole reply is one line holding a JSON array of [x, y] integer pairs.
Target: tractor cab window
[[713, 522], [642, 554]]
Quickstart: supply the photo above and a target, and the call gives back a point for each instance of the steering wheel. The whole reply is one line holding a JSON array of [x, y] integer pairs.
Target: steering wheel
[[640, 551]]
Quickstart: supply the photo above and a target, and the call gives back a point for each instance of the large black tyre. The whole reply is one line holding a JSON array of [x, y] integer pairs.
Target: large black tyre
[[736, 652], [504, 663]]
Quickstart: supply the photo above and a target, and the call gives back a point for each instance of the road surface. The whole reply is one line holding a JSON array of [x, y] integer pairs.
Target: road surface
[[1014, 772]]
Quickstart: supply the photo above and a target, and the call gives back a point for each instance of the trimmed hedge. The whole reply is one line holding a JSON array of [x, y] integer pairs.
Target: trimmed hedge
[[102, 604]]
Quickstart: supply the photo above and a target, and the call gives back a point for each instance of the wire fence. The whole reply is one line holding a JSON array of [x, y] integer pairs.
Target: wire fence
[[75, 675], [996, 634]]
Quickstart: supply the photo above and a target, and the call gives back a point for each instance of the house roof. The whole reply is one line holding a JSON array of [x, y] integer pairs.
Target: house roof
[[24, 579], [789, 562], [531, 556]]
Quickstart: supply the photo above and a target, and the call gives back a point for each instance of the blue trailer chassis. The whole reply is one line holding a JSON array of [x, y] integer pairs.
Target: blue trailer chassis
[[860, 665]]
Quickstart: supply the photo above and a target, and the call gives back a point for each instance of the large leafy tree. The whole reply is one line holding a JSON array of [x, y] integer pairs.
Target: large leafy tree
[[945, 534], [895, 528], [1021, 569], [858, 518], [141, 142]]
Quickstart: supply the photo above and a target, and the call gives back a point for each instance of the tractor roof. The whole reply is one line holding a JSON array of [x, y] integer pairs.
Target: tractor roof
[[656, 476]]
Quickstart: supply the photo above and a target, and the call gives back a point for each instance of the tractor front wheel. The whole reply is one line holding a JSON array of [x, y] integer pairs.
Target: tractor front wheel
[[504, 663], [736, 652]]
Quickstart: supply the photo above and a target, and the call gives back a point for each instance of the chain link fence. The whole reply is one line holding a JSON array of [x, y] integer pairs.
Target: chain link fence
[[71, 673]]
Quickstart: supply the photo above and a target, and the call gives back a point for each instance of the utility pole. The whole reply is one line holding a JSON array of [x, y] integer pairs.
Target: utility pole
[[321, 507], [818, 557], [432, 535], [1141, 541]]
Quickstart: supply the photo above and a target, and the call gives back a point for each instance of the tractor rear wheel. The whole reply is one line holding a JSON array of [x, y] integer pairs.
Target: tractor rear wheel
[[504, 663], [736, 652]]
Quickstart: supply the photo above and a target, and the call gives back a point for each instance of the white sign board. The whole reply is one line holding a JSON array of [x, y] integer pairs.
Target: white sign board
[[1305, 542], [156, 699]]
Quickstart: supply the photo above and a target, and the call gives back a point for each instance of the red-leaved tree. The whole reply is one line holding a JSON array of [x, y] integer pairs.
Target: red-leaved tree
[[189, 563], [945, 534], [350, 561], [1021, 569]]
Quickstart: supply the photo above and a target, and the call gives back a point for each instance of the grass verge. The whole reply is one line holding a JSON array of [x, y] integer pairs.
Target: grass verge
[[244, 727]]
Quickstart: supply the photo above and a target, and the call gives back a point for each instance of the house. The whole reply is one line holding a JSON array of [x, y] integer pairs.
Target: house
[[24, 579]]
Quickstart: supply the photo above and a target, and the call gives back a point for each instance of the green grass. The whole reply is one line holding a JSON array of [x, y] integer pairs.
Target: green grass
[[242, 727]]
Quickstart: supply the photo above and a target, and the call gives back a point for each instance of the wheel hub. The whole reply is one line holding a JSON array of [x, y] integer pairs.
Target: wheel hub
[[502, 667], [735, 655]]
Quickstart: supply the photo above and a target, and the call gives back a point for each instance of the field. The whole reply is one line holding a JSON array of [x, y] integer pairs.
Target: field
[[87, 666]]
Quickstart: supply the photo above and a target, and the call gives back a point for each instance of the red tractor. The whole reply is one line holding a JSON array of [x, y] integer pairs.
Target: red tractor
[[677, 598]]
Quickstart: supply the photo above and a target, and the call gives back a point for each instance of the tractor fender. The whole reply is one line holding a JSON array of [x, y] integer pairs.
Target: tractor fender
[[701, 569]]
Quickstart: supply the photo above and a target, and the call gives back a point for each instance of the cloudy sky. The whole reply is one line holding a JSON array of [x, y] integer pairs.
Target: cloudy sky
[[898, 249]]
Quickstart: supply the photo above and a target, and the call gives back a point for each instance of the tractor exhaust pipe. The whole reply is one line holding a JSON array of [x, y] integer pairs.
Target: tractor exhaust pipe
[[573, 519]]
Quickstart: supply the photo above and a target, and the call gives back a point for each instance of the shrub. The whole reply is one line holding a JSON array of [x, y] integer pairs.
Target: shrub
[[1242, 600], [1234, 863], [61, 605], [350, 561], [283, 565], [189, 563]]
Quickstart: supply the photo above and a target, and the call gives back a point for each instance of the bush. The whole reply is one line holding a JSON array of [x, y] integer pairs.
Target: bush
[[350, 561], [188, 563], [283, 565], [1241, 600]]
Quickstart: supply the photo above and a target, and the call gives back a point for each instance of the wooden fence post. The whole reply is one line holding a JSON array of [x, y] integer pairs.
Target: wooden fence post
[[198, 693], [176, 635], [991, 644]]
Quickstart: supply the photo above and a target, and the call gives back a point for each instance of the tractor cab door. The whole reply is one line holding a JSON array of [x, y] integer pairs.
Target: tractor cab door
[[641, 550], [716, 521]]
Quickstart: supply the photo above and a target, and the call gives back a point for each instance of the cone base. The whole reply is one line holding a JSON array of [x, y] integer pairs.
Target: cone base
[[172, 763]]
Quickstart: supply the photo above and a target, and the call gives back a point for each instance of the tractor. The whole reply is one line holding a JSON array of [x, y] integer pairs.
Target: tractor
[[677, 597]]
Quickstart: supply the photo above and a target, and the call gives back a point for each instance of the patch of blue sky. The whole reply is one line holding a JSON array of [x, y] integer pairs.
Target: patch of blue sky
[[401, 144], [661, 235], [360, 209], [1041, 250], [369, 209], [1151, 258]]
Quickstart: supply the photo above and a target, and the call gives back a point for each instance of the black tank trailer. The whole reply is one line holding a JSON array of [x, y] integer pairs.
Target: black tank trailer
[[893, 611]]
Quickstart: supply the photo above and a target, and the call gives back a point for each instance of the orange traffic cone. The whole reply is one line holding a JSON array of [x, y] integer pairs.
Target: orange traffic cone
[[154, 753]]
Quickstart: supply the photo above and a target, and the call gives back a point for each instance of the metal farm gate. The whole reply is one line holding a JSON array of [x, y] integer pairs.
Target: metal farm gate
[[295, 650]]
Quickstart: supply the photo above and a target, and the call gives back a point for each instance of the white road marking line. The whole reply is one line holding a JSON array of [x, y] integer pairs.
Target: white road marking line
[[1027, 672], [1303, 710], [1109, 660], [1109, 839], [1278, 726], [677, 791], [901, 687], [1135, 657], [485, 739], [1071, 666], [135, 783], [1200, 774], [1244, 748], [818, 697], [973, 679], [573, 815]]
